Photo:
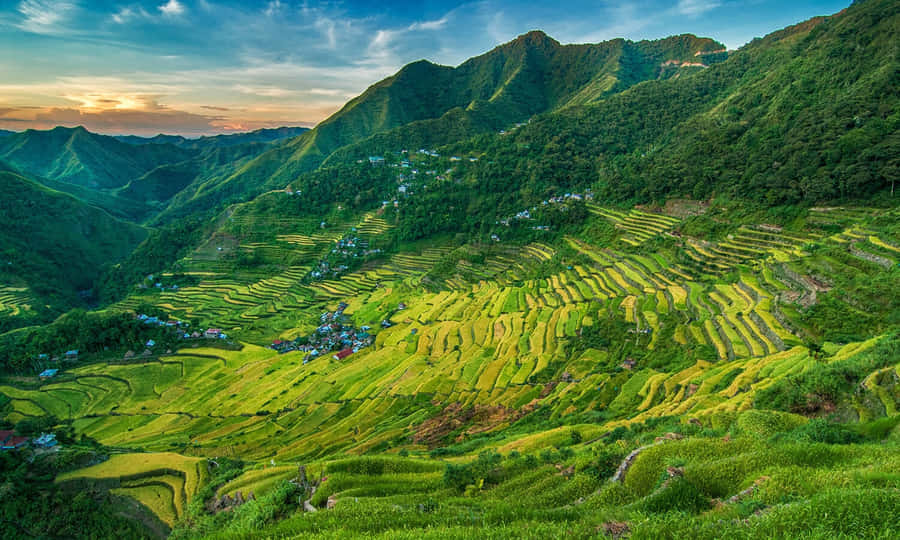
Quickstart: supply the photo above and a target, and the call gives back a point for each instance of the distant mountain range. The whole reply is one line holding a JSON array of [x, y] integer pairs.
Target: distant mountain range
[[131, 177], [161, 178], [217, 141], [77, 156]]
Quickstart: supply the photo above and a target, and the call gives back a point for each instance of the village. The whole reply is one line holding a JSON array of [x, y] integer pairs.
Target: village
[[418, 170], [179, 331], [10, 441], [334, 334], [346, 255]]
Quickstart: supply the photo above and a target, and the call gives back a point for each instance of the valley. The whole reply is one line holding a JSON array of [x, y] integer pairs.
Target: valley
[[633, 289]]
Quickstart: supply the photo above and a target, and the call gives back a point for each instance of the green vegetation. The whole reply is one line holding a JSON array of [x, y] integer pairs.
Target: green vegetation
[[664, 307], [53, 247]]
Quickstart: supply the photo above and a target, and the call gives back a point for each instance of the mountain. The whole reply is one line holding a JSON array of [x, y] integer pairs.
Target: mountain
[[54, 244], [177, 184], [77, 156], [780, 122], [807, 114], [527, 76], [264, 135], [6, 133], [663, 311]]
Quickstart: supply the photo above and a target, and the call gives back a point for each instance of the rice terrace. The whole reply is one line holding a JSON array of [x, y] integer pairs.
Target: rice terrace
[[630, 289]]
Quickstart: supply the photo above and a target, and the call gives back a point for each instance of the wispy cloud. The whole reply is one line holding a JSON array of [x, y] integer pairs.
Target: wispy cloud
[[429, 25], [45, 16], [264, 91], [274, 7], [155, 120], [693, 8]]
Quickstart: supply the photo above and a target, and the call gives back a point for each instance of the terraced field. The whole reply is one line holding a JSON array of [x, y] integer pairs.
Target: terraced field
[[14, 301], [638, 226], [163, 482], [500, 337]]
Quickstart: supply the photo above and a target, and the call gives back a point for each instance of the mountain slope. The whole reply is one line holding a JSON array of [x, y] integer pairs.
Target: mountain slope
[[54, 243], [509, 84], [781, 121], [76, 156]]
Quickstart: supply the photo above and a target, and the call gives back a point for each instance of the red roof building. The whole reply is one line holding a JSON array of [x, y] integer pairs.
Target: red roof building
[[14, 442], [342, 354]]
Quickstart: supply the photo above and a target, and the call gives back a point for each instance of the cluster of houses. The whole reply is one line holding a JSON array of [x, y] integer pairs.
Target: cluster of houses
[[526, 214], [348, 248], [156, 321], [151, 282], [515, 127], [333, 334], [10, 441], [71, 354], [640, 331], [209, 333]]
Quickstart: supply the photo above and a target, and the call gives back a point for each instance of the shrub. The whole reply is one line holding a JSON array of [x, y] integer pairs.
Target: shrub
[[764, 424], [820, 430], [485, 468], [679, 496]]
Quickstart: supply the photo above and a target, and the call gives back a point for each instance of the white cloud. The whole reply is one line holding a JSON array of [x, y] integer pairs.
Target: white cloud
[[429, 25], [693, 8], [172, 8], [264, 91], [273, 8], [327, 28], [127, 14], [45, 16]]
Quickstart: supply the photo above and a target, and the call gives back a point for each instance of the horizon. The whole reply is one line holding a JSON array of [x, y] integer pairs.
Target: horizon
[[202, 68], [151, 136]]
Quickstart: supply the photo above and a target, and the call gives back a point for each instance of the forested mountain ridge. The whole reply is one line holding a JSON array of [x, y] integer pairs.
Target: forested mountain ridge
[[133, 178], [428, 104], [782, 121]]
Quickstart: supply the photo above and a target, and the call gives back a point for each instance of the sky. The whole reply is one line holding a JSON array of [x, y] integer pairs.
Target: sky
[[197, 67]]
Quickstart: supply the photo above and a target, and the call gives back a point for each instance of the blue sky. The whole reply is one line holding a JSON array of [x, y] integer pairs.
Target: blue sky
[[211, 66]]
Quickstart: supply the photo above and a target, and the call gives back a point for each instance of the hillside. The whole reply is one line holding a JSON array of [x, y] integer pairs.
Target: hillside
[[182, 181], [587, 291], [54, 245], [805, 114], [509, 84]]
